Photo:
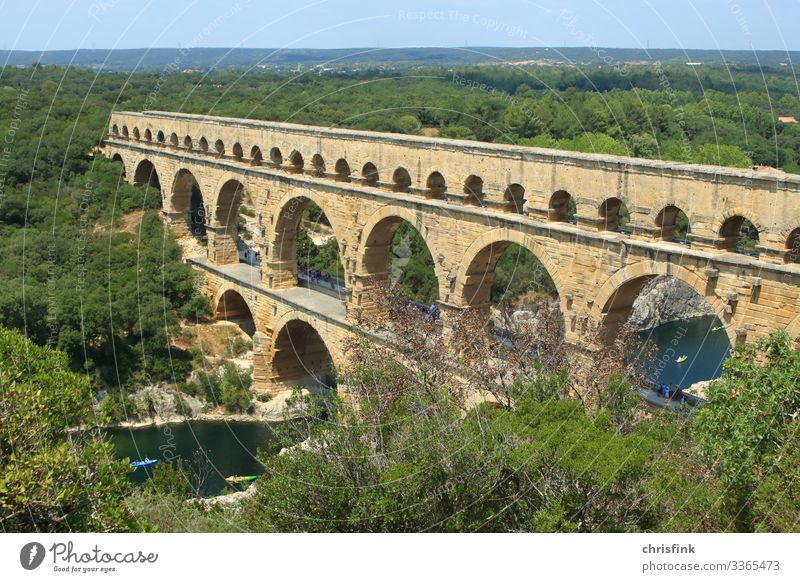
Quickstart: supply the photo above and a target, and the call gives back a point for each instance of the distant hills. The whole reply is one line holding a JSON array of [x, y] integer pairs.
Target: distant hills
[[197, 58]]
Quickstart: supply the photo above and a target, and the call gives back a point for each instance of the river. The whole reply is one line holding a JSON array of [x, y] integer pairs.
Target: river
[[706, 350], [230, 448]]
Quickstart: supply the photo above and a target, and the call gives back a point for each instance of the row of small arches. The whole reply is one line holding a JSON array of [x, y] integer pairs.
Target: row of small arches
[[611, 213]]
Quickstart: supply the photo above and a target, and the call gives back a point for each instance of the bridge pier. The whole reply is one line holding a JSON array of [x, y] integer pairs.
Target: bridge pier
[[222, 248]]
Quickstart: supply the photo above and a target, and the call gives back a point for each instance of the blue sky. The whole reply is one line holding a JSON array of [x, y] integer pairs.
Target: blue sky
[[711, 24]]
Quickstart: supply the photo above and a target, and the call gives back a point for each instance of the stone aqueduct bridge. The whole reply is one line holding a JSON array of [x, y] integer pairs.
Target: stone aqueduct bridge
[[469, 201]]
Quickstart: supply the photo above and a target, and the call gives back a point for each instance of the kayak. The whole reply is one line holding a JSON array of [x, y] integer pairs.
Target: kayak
[[240, 479], [681, 359], [145, 463], [719, 327]]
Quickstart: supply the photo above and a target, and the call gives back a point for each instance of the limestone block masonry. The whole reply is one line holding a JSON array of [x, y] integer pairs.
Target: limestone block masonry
[[469, 201]]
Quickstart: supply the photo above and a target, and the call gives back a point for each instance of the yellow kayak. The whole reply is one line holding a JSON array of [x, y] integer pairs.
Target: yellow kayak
[[681, 359]]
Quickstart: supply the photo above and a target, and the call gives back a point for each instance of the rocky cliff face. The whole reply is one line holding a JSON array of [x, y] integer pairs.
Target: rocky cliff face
[[665, 299]]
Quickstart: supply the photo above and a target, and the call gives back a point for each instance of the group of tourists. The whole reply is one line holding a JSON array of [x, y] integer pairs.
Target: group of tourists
[[315, 275], [670, 391]]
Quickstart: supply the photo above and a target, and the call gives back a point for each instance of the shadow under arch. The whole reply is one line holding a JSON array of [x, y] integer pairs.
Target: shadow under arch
[[186, 197], [300, 357], [118, 158], [231, 306], [145, 174]]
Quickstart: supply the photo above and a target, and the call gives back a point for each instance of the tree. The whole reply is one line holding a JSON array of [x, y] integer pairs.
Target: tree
[[748, 430], [52, 478]]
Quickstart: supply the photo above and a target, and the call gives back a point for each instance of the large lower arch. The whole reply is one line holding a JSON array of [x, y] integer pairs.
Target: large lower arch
[[223, 230], [118, 158], [282, 262], [613, 303], [300, 356], [373, 264], [230, 305]]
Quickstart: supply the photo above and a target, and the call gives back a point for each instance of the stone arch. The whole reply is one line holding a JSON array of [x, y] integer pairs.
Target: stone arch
[[125, 131], [514, 197], [668, 220], [283, 242], [369, 173], [401, 180], [160, 137], [219, 148], [435, 185], [612, 214], [300, 354], [118, 158], [561, 207], [115, 129], [475, 274], [613, 302], [202, 145], [187, 143], [730, 229], [186, 204], [792, 254], [230, 305], [275, 157], [296, 162], [238, 152], [173, 140], [230, 193], [146, 174], [318, 165], [255, 156], [136, 135], [148, 135], [473, 188], [374, 252], [342, 169]]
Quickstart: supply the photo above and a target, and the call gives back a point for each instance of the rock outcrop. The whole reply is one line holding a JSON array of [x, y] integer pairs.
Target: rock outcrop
[[665, 299]]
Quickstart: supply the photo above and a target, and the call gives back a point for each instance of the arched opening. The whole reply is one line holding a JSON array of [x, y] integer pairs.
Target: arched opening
[[342, 169], [174, 141], [187, 143], [125, 131], [219, 148], [118, 158], [318, 165], [136, 134], [668, 319], [114, 129], [793, 247], [473, 188], [739, 235], [672, 224], [255, 156], [146, 175], [306, 249], [515, 198], [401, 180], [301, 358], [397, 257], [188, 199], [228, 202], [148, 135], [296, 162], [160, 137], [369, 173], [233, 307], [203, 145], [510, 283], [275, 157], [562, 208], [238, 152], [435, 185], [614, 216]]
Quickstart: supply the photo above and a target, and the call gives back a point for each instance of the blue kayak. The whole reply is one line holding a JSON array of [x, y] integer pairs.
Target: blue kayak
[[145, 463]]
